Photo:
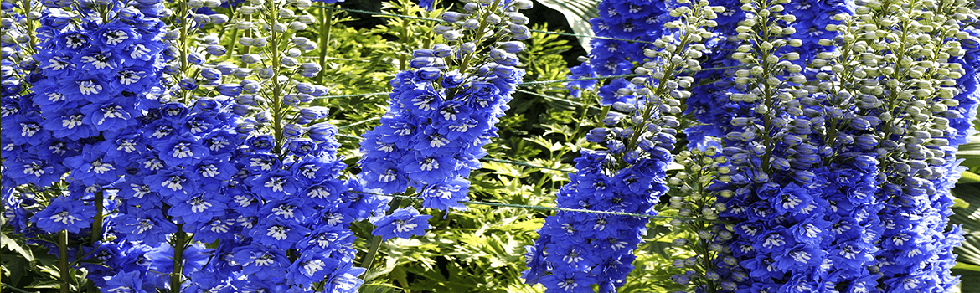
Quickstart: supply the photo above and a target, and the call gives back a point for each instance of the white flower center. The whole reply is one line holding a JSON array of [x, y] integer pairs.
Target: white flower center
[[401, 226], [28, 129], [277, 232], [115, 37], [128, 77], [182, 150], [313, 266], [64, 218], [429, 164], [198, 205], [100, 61], [275, 183], [174, 183]]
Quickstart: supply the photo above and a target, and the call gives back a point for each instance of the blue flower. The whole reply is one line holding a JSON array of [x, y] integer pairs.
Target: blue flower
[[446, 195], [92, 168], [197, 209], [274, 185], [183, 150], [429, 169], [146, 225], [427, 4], [261, 262], [32, 169], [170, 183], [568, 281], [130, 282], [275, 232], [345, 280], [64, 213], [403, 223], [310, 268]]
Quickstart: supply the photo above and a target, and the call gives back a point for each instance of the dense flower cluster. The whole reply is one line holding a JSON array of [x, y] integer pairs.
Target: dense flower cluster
[[93, 81], [443, 111], [268, 186], [810, 148], [578, 250], [176, 176]]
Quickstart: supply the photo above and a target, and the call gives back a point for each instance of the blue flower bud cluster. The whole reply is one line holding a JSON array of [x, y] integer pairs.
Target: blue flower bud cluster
[[443, 110], [871, 176], [578, 250], [15, 63], [799, 208], [76, 132], [179, 165], [625, 20]]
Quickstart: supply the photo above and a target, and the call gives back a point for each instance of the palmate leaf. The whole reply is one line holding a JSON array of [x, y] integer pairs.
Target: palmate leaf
[[970, 151], [578, 13], [16, 246], [969, 217]]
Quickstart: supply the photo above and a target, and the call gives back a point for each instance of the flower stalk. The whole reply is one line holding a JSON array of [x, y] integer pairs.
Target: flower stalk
[[64, 269], [326, 26], [179, 244]]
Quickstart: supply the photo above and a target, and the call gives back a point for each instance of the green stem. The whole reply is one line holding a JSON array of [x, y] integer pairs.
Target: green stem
[[581, 115], [97, 224], [184, 46], [63, 270], [403, 58], [30, 25], [176, 276], [325, 27], [278, 110], [483, 27], [377, 239]]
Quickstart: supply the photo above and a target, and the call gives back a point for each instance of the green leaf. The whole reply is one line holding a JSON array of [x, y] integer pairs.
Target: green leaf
[[971, 152], [578, 13], [970, 275], [969, 217], [968, 177], [14, 246]]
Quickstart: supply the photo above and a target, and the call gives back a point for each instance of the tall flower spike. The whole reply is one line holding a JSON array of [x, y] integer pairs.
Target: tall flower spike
[[443, 110], [270, 181], [578, 250], [89, 88], [773, 187], [920, 126]]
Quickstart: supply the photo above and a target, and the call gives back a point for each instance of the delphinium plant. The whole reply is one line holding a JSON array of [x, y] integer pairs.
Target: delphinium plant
[[767, 150], [175, 146], [210, 153], [813, 142], [915, 71], [282, 214], [97, 68], [15, 65], [577, 250], [443, 110], [775, 187]]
